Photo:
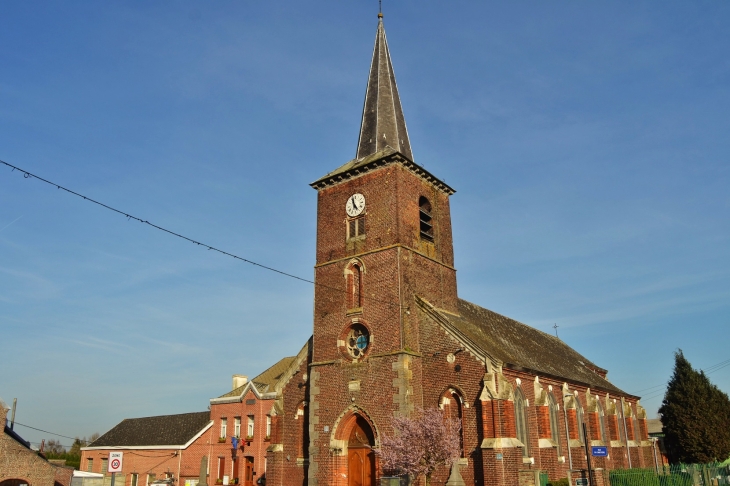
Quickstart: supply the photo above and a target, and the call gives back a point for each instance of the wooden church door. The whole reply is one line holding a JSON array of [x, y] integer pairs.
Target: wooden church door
[[360, 455]]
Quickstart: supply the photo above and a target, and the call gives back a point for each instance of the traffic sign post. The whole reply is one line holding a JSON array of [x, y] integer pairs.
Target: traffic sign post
[[115, 464]]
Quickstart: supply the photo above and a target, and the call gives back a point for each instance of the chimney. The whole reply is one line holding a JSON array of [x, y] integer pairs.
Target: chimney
[[239, 380], [3, 414]]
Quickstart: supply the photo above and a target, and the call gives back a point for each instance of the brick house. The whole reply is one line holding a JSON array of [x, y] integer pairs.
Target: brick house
[[391, 336], [171, 447], [20, 465]]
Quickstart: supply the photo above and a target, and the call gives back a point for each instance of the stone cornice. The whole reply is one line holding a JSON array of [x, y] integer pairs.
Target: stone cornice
[[356, 168]]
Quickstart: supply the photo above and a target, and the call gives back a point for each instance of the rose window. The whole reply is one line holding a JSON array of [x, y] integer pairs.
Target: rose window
[[357, 341]]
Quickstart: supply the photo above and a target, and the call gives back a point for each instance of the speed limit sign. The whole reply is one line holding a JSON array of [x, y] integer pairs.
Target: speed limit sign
[[115, 462]]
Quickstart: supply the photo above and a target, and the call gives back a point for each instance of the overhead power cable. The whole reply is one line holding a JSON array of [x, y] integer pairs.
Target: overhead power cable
[[657, 393], [52, 433], [28, 175]]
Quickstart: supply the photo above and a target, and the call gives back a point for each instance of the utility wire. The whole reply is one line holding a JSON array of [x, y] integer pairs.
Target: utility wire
[[657, 393], [28, 175], [52, 433]]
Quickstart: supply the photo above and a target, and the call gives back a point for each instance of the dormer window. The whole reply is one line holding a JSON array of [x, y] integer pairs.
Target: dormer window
[[426, 219]]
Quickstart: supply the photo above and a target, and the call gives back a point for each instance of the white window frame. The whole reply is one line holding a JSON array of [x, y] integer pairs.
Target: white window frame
[[268, 426], [224, 427], [237, 426], [250, 426], [134, 479]]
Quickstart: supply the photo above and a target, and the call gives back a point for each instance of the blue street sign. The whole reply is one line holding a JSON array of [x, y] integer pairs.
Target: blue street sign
[[599, 451]]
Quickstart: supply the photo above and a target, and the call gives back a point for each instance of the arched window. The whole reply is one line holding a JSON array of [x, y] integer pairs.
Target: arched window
[[521, 421], [426, 219], [579, 419], [602, 422], [452, 406], [555, 423], [302, 429], [354, 285]]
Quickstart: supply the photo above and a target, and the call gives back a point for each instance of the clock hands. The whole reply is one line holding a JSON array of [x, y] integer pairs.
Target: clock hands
[[354, 204]]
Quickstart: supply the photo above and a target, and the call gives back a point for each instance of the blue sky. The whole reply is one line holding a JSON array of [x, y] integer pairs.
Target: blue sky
[[588, 143]]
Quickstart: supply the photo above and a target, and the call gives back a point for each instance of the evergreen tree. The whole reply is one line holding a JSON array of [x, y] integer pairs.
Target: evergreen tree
[[695, 416]]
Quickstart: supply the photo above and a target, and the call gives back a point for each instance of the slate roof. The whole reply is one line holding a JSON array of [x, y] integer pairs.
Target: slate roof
[[163, 430], [266, 380], [383, 123], [520, 346]]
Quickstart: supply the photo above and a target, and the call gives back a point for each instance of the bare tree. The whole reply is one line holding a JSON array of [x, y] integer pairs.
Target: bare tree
[[54, 447], [420, 444]]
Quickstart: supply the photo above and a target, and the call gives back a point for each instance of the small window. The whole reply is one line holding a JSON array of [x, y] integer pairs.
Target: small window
[[353, 272], [635, 426], [151, 479], [426, 219], [104, 465], [90, 465], [355, 227], [579, 420], [135, 479], [249, 430], [224, 426], [268, 426], [602, 422], [237, 426], [555, 423], [521, 422]]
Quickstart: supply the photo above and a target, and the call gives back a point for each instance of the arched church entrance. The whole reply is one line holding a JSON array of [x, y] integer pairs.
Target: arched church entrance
[[360, 455]]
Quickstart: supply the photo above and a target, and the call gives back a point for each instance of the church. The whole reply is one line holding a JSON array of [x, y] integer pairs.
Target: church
[[391, 337]]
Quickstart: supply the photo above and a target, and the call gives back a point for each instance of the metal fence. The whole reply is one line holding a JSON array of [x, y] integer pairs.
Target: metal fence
[[676, 475]]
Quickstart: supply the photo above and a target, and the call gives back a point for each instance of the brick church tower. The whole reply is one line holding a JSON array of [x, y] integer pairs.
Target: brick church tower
[[383, 238]]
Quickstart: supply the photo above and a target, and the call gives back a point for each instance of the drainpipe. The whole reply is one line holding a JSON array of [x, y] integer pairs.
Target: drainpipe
[[567, 433], [626, 432]]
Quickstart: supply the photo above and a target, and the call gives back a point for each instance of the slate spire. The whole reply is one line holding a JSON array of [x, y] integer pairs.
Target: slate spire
[[383, 123]]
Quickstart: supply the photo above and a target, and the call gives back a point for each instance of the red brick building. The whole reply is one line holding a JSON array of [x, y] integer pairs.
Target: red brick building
[[20, 465], [392, 336], [170, 447]]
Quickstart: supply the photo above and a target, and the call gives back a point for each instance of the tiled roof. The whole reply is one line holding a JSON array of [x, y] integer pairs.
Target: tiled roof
[[266, 380], [518, 345], [172, 430]]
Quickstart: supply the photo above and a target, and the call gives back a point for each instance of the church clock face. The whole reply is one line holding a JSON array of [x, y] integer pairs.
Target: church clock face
[[355, 205]]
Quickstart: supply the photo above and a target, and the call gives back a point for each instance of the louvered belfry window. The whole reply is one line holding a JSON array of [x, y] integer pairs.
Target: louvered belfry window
[[426, 219]]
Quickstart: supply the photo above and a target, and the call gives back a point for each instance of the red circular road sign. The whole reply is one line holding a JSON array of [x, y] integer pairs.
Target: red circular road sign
[[115, 464]]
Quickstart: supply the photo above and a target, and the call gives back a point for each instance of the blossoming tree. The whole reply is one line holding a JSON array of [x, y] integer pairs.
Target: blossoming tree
[[420, 444]]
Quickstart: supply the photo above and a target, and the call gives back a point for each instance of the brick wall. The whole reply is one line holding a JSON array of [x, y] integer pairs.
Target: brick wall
[[17, 462]]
